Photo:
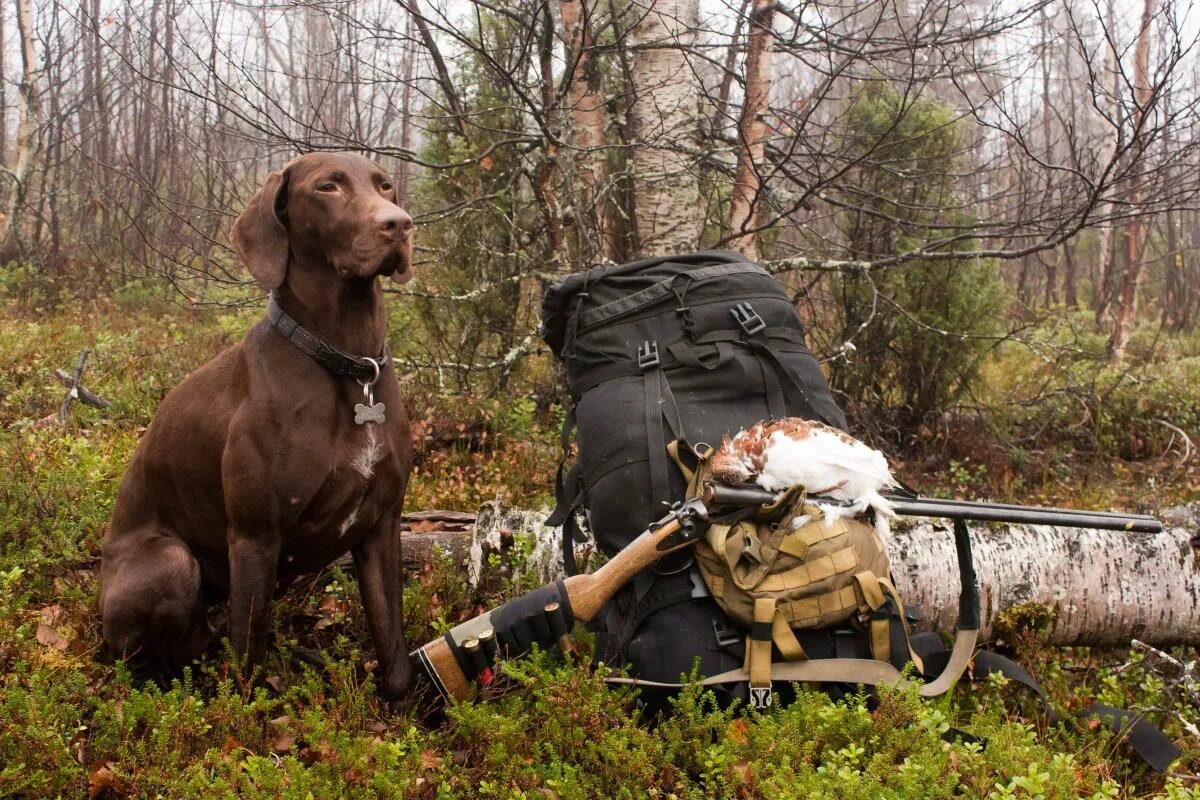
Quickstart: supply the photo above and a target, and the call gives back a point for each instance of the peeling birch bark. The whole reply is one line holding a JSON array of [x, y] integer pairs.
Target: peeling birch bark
[[665, 117], [1105, 587], [31, 112]]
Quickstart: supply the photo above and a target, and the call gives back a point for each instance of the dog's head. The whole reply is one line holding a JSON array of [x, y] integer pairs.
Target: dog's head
[[333, 211]]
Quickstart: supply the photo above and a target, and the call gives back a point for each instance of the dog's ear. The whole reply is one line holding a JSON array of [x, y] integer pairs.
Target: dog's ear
[[259, 235]]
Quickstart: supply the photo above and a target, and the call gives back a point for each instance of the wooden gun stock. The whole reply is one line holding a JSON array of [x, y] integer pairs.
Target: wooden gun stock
[[518, 623]]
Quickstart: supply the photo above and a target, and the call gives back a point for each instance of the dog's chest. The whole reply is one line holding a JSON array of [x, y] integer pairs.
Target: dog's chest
[[360, 484], [365, 450], [359, 476]]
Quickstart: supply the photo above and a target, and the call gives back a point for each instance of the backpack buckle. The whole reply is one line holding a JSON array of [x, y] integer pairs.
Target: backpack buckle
[[647, 355], [760, 697], [725, 636], [747, 318]]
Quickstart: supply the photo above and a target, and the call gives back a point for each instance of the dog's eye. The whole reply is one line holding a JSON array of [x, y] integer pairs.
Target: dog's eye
[[328, 186], [387, 187]]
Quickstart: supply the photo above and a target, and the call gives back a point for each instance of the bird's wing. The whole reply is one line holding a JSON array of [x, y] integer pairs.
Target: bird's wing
[[822, 459]]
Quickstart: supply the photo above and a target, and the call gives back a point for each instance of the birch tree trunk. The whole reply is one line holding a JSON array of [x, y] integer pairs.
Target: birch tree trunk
[[1102, 291], [1131, 278], [586, 106], [404, 172], [665, 116], [31, 112], [752, 133]]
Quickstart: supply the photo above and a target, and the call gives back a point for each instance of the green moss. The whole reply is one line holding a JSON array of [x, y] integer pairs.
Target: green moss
[[73, 723]]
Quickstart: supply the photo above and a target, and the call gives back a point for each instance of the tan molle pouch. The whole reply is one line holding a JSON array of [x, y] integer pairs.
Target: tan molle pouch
[[782, 567]]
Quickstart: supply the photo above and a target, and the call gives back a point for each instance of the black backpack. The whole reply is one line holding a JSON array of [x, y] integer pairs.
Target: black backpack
[[689, 347]]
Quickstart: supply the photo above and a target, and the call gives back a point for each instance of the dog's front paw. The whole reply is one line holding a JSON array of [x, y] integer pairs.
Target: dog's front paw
[[395, 680]]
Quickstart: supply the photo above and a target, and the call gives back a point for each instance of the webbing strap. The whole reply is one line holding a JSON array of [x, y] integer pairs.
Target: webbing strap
[[660, 404], [818, 569], [776, 399], [688, 473], [872, 592], [960, 656], [685, 354], [758, 648], [890, 588], [657, 291], [763, 347], [656, 441], [1151, 744], [798, 542], [865, 671], [807, 613], [878, 623], [785, 639], [783, 339]]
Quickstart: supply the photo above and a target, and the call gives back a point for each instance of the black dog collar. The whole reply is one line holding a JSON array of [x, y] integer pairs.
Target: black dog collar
[[359, 368]]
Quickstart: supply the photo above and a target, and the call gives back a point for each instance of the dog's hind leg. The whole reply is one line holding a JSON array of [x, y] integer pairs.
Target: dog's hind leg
[[150, 601]]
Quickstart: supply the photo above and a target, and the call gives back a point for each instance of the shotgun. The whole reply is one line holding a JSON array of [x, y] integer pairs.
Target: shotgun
[[469, 652]]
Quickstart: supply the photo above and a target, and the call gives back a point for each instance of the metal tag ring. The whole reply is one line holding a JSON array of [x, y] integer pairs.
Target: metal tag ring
[[375, 365]]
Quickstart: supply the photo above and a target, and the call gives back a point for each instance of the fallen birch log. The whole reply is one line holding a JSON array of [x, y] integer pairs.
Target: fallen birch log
[[1101, 587]]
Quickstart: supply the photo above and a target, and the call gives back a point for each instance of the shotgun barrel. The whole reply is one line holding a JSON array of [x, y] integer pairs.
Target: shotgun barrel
[[1027, 515], [744, 494]]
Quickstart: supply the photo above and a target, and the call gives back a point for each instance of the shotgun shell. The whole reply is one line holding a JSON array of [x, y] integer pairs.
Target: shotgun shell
[[474, 655], [558, 626], [556, 620], [541, 627], [487, 641]]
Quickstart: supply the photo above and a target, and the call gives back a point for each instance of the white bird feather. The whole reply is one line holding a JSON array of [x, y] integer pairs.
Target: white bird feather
[[826, 461]]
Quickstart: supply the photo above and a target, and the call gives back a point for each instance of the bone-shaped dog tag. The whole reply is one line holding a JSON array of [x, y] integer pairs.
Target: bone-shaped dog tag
[[371, 413]]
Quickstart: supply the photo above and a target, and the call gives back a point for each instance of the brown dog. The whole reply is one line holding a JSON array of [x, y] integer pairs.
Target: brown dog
[[273, 459]]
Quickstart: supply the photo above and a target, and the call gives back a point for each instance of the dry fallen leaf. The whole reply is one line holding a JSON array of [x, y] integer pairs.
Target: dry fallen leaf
[[102, 781], [430, 759], [49, 637]]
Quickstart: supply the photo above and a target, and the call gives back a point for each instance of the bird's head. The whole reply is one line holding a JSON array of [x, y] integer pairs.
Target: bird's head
[[729, 464]]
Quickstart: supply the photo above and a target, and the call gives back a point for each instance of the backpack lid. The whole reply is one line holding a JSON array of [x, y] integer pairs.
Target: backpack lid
[[562, 297]]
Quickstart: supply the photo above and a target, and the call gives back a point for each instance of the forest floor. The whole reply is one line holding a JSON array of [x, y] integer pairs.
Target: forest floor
[[74, 723]]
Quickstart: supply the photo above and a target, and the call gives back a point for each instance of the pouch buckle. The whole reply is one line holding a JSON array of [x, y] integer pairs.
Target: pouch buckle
[[725, 636], [747, 318], [647, 355]]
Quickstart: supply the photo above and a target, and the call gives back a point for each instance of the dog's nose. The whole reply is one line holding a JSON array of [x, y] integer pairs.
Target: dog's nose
[[394, 222]]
